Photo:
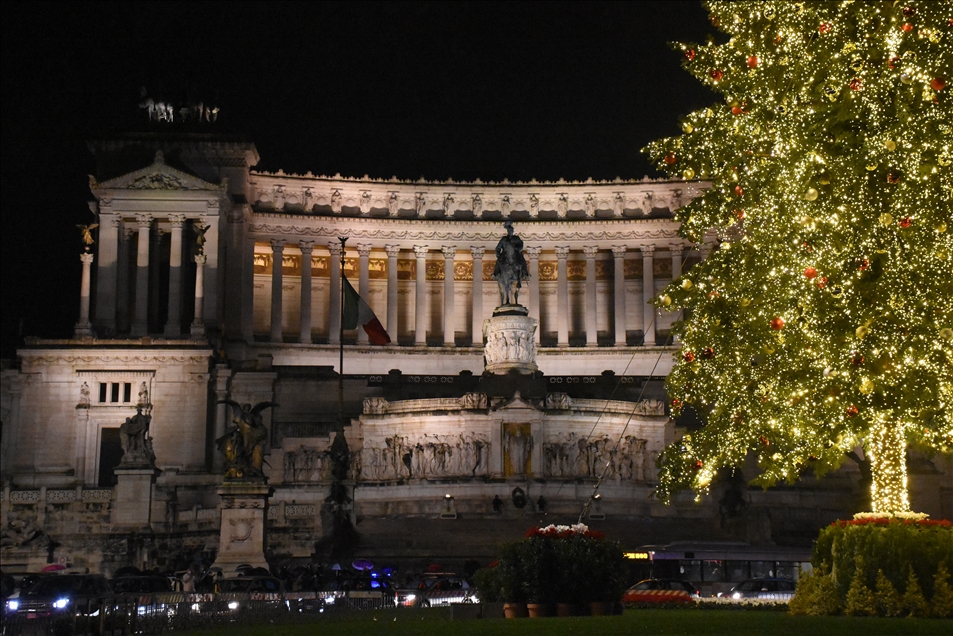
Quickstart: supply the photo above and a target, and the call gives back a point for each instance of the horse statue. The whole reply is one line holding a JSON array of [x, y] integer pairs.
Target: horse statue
[[510, 270]]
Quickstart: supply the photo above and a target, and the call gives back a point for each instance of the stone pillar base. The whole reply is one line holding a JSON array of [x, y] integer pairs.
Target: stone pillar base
[[509, 340], [133, 503], [82, 330], [242, 535]]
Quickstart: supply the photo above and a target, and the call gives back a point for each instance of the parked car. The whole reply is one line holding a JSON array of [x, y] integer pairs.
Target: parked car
[[766, 589], [661, 591], [436, 590], [256, 594]]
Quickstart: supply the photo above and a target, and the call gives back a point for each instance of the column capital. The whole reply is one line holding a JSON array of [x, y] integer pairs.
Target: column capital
[[619, 250], [305, 246], [534, 252], [277, 245], [562, 252], [144, 221], [421, 251], [200, 259], [677, 249], [392, 250], [449, 252], [647, 250], [114, 220], [86, 258], [177, 220], [477, 251], [127, 231], [364, 249], [590, 251], [334, 248]]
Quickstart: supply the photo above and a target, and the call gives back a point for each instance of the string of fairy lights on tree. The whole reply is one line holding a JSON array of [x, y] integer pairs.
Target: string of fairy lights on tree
[[824, 318]]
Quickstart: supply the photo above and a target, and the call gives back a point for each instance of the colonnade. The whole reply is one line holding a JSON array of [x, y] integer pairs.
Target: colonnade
[[447, 320]]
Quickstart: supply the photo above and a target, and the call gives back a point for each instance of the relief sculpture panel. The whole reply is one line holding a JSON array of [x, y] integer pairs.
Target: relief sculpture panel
[[571, 456]]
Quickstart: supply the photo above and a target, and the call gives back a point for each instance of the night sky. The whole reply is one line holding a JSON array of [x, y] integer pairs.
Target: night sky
[[440, 90]]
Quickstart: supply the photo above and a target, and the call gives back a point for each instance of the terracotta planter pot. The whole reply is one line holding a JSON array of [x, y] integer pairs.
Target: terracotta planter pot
[[601, 609], [539, 610], [571, 609], [515, 610]]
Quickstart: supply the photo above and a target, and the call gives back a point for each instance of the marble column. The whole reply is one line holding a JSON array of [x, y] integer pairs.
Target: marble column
[[173, 323], [648, 293], [678, 251], [84, 329], [449, 252], [222, 375], [248, 288], [304, 335], [618, 254], [420, 308], [392, 252], [591, 325], [277, 282], [140, 321], [363, 284], [334, 297], [533, 254], [476, 322], [198, 322], [122, 284], [107, 268], [562, 296]]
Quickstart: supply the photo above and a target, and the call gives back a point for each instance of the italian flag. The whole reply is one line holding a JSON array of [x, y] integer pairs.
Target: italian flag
[[358, 312]]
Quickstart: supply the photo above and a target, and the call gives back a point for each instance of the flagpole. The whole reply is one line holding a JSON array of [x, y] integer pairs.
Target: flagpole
[[341, 341]]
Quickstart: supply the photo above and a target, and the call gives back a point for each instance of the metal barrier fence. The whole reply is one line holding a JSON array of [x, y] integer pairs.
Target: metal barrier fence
[[158, 613]]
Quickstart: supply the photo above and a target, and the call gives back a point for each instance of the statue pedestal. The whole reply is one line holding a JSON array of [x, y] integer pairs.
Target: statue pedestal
[[509, 341], [242, 534], [133, 503]]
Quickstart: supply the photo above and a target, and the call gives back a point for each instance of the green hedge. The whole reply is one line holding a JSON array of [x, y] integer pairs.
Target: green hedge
[[886, 567]]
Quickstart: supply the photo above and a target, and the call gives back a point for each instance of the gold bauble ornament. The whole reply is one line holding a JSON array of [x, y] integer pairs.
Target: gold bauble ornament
[[810, 194], [946, 333], [687, 127], [768, 349], [745, 302], [871, 167], [944, 160], [860, 332], [824, 179], [688, 173], [866, 386], [665, 299], [686, 284], [890, 145], [886, 219], [941, 228]]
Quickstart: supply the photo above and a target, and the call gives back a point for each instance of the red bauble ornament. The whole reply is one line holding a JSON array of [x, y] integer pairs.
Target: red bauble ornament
[[905, 222], [909, 12], [857, 359], [716, 74], [765, 441], [806, 246], [856, 84], [688, 356], [697, 465], [708, 353], [739, 213], [810, 273], [893, 177], [893, 62], [907, 27], [690, 54], [821, 282], [739, 191], [670, 158], [676, 403], [937, 83], [852, 411], [713, 294], [863, 264], [753, 61], [824, 27], [736, 110], [777, 323]]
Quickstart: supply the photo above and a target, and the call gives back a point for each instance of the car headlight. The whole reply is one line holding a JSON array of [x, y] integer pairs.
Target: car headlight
[[233, 605], [736, 595], [196, 607], [60, 603], [13, 605], [411, 597]]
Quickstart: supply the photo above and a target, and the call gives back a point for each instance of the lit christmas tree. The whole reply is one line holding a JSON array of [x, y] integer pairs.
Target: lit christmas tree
[[824, 319]]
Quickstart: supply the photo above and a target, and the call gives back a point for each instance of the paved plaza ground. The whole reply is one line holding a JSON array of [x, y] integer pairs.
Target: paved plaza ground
[[437, 622]]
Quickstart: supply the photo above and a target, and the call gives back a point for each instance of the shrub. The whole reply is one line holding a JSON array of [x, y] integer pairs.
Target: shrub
[[887, 597], [941, 605], [913, 603], [489, 584], [860, 600]]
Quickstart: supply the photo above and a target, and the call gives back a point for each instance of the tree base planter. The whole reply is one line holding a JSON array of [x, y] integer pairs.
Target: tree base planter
[[571, 609], [602, 609], [515, 610], [493, 610], [540, 610]]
